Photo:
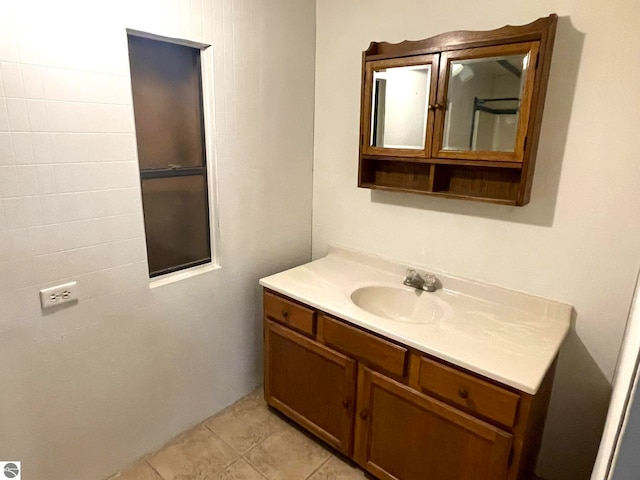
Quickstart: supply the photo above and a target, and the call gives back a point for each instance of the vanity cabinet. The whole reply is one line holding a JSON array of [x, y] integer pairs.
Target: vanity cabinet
[[310, 383], [397, 412], [456, 115]]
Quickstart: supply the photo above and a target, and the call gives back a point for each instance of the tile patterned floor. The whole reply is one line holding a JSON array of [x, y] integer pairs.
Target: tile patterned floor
[[246, 441]]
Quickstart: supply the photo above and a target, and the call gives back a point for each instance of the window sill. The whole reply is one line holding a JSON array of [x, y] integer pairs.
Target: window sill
[[182, 275]]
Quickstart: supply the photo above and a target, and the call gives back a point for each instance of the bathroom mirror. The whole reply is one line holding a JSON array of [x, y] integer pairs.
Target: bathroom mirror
[[400, 101], [483, 103]]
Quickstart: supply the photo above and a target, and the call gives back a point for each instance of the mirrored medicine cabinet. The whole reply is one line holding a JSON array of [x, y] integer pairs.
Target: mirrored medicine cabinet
[[456, 115]]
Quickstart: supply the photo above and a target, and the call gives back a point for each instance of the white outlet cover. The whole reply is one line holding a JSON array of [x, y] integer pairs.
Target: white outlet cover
[[52, 296]]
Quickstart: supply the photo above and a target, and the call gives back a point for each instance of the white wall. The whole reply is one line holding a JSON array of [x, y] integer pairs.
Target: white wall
[[90, 388], [577, 241]]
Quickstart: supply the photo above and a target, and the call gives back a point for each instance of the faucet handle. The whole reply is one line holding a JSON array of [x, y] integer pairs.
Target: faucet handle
[[430, 279], [430, 283]]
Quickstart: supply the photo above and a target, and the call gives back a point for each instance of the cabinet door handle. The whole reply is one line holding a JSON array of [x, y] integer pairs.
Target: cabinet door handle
[[438, 106], [345, 403], [463, 393], [364, 414]]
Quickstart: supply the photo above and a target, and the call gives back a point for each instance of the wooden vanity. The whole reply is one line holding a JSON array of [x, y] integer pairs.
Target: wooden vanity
[[399, 413]]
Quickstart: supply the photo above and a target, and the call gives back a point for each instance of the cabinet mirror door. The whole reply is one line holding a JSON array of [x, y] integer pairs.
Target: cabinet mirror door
[[398, 114], [486, 102]]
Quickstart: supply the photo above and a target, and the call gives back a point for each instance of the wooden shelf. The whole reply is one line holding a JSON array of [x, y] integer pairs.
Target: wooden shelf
[[492, 184], [393, 174], [501, 184]]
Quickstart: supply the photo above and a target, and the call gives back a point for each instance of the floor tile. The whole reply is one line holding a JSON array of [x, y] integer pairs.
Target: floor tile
[[140, 471], [245, 424], [240, 470], [336, 469], [258, 394], [288, 455], [195, 455]]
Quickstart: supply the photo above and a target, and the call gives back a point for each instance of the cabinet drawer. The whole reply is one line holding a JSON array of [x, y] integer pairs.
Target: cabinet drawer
[[469, 392], [289, 313], [370, 349]]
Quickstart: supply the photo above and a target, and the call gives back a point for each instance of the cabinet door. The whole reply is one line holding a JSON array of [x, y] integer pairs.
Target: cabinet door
[[485, 96], [311, 384], [402, 434], [398, 106]]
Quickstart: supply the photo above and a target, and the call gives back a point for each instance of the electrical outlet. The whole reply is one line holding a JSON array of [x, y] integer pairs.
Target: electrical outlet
[[52, 296]]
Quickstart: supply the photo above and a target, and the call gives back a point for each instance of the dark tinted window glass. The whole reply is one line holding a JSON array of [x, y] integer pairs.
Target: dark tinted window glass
[[167, 100], [168, 103], [176, 221]]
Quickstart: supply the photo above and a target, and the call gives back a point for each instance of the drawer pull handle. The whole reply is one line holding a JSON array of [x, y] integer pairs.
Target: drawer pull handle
[[285, 314], [345, 403], [364, 415], [463, 393]]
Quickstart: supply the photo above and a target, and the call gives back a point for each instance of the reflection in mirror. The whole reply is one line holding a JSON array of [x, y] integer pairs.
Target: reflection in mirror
[[483, 103], [400, 98]]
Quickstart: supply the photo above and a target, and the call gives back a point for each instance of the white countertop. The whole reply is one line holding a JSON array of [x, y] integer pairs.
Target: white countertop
[[504, 335]]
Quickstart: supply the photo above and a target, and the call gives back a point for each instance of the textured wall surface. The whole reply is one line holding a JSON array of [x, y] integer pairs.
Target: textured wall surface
[[577, 241], [89, 388]]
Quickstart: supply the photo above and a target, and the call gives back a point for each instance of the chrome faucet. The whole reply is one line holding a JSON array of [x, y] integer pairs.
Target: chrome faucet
[[417, 281]]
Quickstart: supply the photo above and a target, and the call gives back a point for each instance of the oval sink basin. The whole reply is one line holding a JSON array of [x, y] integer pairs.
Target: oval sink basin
[[400, 304]]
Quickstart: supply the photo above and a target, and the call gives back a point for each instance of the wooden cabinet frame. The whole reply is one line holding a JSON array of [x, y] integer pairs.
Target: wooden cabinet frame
[[488, 176]]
